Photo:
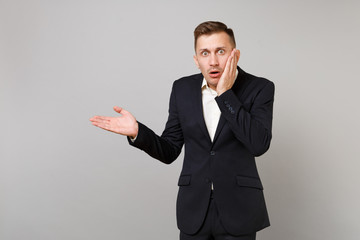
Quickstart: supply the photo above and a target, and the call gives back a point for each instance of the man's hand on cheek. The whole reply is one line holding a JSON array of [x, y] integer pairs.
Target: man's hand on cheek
[[228, 77]]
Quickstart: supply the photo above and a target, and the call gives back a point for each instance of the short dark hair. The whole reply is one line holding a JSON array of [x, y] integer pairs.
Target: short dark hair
[[210, 27]]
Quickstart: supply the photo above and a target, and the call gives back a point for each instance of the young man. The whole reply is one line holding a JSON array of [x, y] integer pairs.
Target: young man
[[223, 116]]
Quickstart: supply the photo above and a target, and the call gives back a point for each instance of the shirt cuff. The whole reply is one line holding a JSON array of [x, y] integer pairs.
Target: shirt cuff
[[133, 139]]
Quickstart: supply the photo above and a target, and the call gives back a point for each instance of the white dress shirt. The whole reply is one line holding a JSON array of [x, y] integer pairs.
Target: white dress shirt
[[211, 110]]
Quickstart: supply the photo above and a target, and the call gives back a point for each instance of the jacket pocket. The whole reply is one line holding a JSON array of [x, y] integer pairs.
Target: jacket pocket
[[184, 180], [243, 181]]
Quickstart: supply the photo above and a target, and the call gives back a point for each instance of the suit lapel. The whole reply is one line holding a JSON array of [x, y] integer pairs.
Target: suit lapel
[[220, 125]]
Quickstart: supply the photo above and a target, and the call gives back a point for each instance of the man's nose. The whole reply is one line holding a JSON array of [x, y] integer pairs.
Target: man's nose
[[214, 60]]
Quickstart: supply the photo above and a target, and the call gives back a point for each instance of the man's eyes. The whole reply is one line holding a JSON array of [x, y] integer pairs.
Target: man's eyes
[[205, 53]]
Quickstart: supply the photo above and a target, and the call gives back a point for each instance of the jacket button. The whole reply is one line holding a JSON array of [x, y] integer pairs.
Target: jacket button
[[232, 111], [212, 153]]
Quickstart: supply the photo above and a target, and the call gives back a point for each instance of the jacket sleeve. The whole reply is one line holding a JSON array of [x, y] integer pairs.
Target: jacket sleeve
[[167, 147], [251, 126]]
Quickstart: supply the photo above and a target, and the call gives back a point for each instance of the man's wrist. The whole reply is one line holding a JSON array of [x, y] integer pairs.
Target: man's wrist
[[221, 91], [136, 133]]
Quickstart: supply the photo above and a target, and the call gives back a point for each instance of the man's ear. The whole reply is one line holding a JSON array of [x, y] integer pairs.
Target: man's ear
[[196, 61]]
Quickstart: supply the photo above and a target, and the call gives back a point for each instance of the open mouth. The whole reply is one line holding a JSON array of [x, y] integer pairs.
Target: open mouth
[[214, 74]]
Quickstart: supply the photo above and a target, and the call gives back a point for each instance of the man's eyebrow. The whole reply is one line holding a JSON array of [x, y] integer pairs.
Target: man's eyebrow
[[205, 49]]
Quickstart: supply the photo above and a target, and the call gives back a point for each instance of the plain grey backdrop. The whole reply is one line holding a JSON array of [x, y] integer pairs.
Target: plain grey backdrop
[[61, 62]]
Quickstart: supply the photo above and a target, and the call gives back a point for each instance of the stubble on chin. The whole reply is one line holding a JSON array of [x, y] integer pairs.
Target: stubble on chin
[[212, 83]]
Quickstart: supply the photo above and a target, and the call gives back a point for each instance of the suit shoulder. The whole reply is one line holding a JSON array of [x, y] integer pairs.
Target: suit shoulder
[[188, 81], [258, 82]]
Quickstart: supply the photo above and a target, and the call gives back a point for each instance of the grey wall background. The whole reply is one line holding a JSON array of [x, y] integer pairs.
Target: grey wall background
[[62, 62]]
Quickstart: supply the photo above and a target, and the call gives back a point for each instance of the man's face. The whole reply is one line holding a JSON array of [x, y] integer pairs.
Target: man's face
[[211, 54]]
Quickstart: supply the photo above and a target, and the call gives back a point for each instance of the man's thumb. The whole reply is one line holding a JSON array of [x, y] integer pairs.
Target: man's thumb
[[117, 109]]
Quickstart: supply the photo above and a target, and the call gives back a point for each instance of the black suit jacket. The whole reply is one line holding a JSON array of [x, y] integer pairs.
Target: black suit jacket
[[243, 132]]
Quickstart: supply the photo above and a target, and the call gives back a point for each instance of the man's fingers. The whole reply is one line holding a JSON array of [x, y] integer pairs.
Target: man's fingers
[[98, 124], [237, 54], [235, 60], [100, 118], [232, 61], [228, 64], [103, 126]]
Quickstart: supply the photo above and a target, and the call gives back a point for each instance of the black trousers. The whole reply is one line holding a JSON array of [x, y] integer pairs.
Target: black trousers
[[212, 228]]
